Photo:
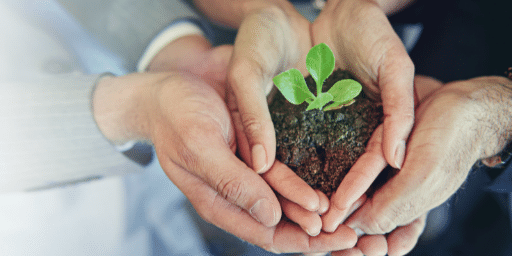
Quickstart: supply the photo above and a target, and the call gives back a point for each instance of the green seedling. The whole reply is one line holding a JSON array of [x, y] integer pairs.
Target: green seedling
[[320, 64]]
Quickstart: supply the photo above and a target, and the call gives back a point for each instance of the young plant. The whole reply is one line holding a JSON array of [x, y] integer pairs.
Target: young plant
[[320, 64]]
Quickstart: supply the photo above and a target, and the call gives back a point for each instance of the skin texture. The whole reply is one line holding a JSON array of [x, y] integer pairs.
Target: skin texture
[[187, 110], [180, 107], [281, 42], [457, 124]]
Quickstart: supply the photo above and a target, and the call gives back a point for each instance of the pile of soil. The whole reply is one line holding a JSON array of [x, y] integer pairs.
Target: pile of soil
[[319, 146]]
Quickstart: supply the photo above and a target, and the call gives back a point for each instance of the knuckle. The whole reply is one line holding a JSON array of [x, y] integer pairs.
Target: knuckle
[[252, 125], [232, 189]]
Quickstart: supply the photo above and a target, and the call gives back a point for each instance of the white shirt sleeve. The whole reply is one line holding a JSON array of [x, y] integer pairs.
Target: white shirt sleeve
[[48, 135]]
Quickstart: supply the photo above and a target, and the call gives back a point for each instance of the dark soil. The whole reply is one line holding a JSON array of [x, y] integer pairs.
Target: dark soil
[[322, 146]]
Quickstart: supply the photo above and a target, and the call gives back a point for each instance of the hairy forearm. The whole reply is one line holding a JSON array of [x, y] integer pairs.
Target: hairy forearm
[[495, 100]]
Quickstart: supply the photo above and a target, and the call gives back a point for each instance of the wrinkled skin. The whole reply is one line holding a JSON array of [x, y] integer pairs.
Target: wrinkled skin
[[451, 133], [195, 142]]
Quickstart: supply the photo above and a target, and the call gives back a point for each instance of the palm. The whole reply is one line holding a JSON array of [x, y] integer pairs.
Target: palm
[[365, 44]]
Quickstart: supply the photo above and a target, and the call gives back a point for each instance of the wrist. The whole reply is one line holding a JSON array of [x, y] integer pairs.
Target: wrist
[[184, 54], [163, 50], [120, 106]]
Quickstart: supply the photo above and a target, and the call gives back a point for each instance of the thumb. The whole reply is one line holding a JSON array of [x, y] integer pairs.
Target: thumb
[[396, 83], [248, 106], [265, 44], [211, 159]]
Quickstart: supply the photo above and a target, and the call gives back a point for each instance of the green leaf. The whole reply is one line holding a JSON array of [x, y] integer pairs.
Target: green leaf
[[292, 85], [320, 64], [320, 101], [345, 90]]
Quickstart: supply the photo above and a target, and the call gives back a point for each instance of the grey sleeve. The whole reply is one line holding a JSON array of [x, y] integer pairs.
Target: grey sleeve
[[126, 27], [48, 136]]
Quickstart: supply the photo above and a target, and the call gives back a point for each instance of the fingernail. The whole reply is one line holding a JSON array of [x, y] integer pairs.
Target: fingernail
[[259, 158], [315, 233], [400, 154], [263, 212]]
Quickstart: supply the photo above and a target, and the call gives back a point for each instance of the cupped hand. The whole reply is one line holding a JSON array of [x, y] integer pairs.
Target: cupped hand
[[399, 242], [269, 40], [196, 149], [350, 195], [364, 43], [222, 189], [452, 132], [358, 180]]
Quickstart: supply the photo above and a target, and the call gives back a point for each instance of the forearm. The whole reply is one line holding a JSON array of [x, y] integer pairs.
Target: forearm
[[495, 99]]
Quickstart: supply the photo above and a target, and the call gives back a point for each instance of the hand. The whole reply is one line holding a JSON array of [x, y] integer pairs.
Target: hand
[[452, 132], [272, 37], [282, 42], [269, 41], [185, 117], [222, 189], [217, 203], [399, 242], [356, 183], [364, 42], [353, 187]]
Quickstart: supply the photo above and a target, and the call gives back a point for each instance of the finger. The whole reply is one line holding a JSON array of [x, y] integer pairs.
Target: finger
[[286, 182], [348, 252], [396, 77], [373, 245], [252, 106], [310, 222], [356, 182], [324, 202], [242, 145], [403, 239], [343, 238], [203, 151], [253, 64], [283, 238]]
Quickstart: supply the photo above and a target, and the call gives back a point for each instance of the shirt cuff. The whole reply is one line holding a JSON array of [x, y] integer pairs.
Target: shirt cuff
[[172, 32]]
